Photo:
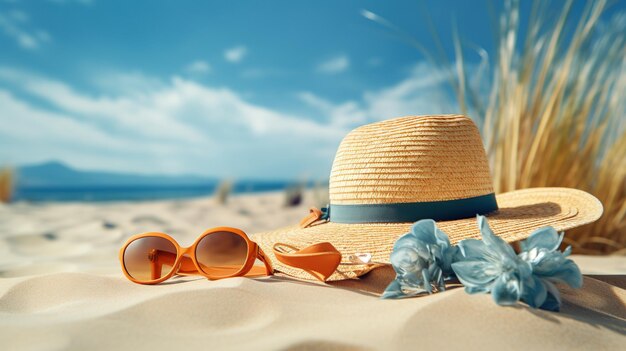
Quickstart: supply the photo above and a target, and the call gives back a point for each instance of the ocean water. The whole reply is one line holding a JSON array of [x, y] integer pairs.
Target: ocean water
[[134, 193]]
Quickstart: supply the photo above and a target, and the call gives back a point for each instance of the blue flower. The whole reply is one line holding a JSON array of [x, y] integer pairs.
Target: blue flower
[[549, 266], [491, 266], [422, 260]]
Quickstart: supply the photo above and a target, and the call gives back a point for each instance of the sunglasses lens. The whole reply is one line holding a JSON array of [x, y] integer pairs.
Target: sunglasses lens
[[149, 258], [222, 254]]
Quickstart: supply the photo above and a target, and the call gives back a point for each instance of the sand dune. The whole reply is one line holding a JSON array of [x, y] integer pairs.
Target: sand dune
[[61, 288]]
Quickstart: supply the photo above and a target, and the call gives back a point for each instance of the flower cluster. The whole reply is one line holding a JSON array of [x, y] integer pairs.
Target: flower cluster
[[424, 259]]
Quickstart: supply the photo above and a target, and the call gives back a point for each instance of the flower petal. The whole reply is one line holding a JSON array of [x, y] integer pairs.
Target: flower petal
[[411, 280], [475, 273], [544, 238], [406, 240], [568, 273], [524, 269], [567, 251], [551, 304], [405, 259], [424, 231], [426, 281], [477, 289], [556, 267], [393, 291], [553, 298], [477, 250], [492, 241], [442, 238], [449, 256], [438, 279], [534, 291], [506, 290]]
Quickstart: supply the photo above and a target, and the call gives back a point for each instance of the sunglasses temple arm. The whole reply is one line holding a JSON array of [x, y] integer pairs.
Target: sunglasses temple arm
[[269, 270], [158, 258]]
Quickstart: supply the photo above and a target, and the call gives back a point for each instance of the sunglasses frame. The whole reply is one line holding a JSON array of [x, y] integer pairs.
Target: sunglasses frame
[[254, 252]]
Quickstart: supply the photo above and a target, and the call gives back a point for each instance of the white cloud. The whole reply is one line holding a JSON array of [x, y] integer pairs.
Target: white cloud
[[15, 24], [36, 135], [423, 92], [334, 65], [344, 115], [198, 67], [236, 54], [123, 83], [178, 127], [144, 124]]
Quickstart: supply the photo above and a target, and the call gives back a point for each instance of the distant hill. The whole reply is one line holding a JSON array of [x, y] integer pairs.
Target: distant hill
[[57, 174]]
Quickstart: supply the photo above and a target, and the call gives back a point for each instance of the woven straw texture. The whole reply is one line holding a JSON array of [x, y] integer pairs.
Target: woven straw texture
[[423, 158], [410, 159]]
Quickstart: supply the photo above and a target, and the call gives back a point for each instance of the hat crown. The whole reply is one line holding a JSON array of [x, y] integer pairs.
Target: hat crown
[[411, 159]]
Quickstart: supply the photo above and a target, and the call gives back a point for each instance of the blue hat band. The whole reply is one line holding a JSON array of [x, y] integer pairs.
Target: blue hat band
[[413, 211]]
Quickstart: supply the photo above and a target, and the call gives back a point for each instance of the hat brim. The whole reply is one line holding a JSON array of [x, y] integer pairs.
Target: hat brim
[[520, 213]]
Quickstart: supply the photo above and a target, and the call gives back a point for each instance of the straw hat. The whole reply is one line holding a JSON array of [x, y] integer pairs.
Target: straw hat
[[389, 174]]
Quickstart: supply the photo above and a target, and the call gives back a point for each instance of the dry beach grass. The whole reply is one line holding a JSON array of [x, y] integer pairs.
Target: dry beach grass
[[555, 114], [6, 185], [550, 105]]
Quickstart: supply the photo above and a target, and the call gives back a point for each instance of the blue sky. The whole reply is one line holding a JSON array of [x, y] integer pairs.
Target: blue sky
[[250, 89]]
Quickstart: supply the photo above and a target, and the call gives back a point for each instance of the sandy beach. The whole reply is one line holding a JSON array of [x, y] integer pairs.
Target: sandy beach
[[450, 120], [61, 288]]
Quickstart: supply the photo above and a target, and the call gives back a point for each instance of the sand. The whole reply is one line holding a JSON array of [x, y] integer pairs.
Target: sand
[[61, 288]]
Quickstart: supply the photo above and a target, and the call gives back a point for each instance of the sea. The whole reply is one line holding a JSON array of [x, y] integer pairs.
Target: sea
[[135, 193]]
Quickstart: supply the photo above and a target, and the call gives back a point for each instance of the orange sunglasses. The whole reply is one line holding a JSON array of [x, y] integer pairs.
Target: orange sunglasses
[[223, 252]]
